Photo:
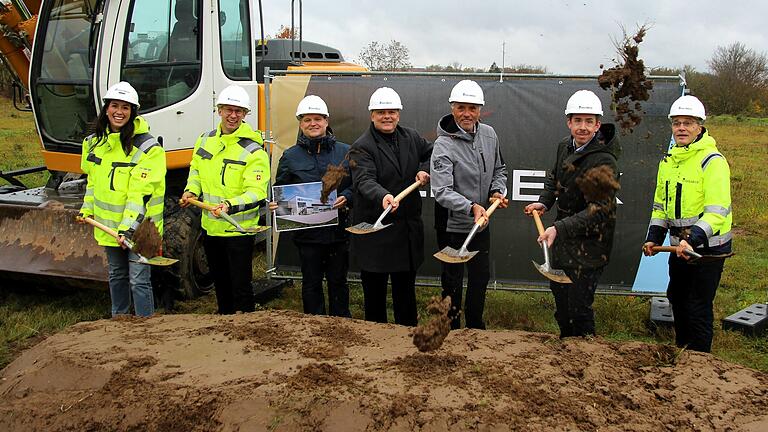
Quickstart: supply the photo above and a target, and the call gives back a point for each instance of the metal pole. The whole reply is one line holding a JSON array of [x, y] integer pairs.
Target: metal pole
[[268, 140], [503, 53]]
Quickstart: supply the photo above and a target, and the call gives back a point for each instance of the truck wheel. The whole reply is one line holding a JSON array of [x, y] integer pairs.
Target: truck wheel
[[183, 240]]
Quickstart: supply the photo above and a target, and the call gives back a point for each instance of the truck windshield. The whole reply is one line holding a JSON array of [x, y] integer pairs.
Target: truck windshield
[[62, 71]]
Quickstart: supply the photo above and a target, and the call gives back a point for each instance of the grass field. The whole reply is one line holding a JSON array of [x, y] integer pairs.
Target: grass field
[[27, 317]]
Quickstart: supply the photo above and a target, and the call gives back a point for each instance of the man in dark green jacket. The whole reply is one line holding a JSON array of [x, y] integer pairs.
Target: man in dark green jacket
[[583, 183]]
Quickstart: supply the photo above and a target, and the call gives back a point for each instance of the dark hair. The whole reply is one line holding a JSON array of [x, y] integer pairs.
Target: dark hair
[[101, 125]]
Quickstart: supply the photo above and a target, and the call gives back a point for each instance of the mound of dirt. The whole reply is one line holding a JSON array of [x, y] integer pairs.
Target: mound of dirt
[[286, 371]]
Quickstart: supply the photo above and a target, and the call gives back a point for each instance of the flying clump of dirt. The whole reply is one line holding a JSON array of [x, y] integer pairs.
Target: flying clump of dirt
[[598, 184], [430, 336], [146, 239], [331, 180], [627, 81]]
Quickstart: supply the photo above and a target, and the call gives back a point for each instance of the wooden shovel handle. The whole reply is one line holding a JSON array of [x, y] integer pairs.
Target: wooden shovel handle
[[101, 226], [201, 204], [664, 249], [407, 190], [539, 225], [489, 211]]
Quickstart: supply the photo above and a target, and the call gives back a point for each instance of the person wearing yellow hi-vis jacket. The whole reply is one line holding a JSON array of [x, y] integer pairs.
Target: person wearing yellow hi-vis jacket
[[126, 169], [230, 170], [692, 202]]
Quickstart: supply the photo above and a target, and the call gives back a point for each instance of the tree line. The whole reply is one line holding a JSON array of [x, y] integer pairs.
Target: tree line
[[736, 83]]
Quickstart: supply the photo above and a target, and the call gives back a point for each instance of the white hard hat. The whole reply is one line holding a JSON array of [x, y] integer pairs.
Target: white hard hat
[[385, 98], [688, 106], [312, 105], [584, 102], [124, 92], [235, 96], [467, 91]]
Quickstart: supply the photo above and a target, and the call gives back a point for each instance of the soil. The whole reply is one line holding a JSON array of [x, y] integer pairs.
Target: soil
[[430, 336], [627, 81], [332, 178], [147, 241], [598, 184], [285, 371]]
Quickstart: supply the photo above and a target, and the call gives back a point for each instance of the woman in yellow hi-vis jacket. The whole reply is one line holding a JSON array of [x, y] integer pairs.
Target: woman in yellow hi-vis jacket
[[126, 183], [230, 170]]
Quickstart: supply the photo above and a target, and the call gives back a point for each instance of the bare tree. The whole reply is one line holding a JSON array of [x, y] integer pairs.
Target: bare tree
[[393, 56], [739, 79], [285, 32]]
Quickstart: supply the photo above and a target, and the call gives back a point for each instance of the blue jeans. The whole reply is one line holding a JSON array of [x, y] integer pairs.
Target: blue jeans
[[127, 279]]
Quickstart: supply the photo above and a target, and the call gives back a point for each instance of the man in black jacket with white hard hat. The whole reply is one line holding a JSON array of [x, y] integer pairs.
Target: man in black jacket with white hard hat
[[582, 235]]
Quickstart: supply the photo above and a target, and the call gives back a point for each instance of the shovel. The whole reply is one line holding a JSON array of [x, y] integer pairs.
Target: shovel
[[155, 261], [366, 228], [452, 256], [694, 256], [546, 269], [226, 217]]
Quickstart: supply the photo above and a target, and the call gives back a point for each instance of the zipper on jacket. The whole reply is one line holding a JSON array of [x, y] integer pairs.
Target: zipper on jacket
[[112, 172], [678, 201], [482, 158], [224, 167], [666, 196]]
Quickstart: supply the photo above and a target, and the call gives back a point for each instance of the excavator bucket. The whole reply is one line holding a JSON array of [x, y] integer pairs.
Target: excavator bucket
[[39, 243]]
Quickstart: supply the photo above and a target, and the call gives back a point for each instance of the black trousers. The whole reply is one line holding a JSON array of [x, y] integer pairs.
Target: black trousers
[[403, 296], [332, 262], [231, 262], [573, 302], [478, 275], [691, 291]]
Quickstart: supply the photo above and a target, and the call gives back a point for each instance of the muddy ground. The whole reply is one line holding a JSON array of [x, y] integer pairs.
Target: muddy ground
[[285, 371]]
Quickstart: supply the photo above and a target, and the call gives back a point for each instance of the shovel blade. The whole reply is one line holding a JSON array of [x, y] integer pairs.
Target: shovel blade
[[452, 256], [558, 276], [365, 228], [157, 261]]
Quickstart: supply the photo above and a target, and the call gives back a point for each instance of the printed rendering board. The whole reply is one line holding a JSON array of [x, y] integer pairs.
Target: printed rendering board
[[300, 207]]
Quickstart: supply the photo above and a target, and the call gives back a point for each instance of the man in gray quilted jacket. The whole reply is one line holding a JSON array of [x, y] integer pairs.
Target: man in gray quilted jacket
[[467, 171]]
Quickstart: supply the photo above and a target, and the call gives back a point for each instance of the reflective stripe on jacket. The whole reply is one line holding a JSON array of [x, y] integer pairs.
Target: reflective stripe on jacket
[[232, 168], [693, 198], [123, 189]]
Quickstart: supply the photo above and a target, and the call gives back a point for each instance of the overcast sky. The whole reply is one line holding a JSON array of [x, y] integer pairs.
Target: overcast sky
[[571, 37]]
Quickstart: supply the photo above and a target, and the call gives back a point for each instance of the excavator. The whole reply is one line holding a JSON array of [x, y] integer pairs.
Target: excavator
[[178, 54]]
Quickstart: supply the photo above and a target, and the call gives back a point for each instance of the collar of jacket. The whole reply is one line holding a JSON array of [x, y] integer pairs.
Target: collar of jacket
[[317, 145], [703, 141], [605, 140], [447, 127], [378, 137], [140, 126]]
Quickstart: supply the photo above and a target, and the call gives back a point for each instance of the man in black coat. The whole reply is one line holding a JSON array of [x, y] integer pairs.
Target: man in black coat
[[324, 251], [385, 160], [583, 183]]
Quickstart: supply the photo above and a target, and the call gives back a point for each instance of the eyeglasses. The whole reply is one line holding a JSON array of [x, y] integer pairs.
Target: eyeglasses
[[684, 123], [236, 111]]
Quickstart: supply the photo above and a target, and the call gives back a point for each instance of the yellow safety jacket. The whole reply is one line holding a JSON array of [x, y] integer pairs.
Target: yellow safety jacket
[[693, 198], [231, 168], [123, 189]]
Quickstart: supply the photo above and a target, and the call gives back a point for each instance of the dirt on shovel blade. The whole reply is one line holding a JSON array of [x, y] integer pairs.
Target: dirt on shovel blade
[[430, 336], [146, 239]]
